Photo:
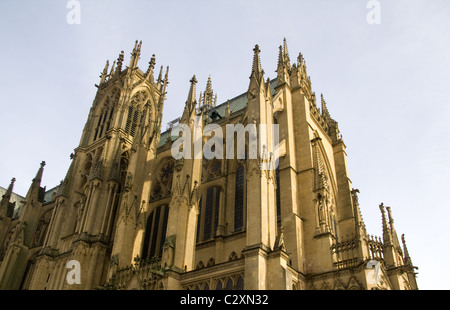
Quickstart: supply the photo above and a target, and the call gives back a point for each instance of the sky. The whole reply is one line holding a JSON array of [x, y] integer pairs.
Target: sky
[[387, 84]]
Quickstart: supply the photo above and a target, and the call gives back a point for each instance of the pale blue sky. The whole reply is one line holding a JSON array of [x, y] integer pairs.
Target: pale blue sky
[[387, 85]]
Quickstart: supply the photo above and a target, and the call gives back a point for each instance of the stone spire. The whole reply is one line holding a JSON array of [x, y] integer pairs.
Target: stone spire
[[159, 81], [387, 236], [35, 189], [191, 101], [104, 73], [393, 231], [257, 75], [208, 95], [324, 108], [113, 68], [8, 192], [287, 61], [165, 81], [67, 182], [135, 55], [407, 258], [284, 66], [4, 201]]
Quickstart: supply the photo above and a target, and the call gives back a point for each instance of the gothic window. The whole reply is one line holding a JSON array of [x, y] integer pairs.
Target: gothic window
[[239, 195], [6, 242], [132, 120], [278, 191], [208, 217], [108, 124], [124, 160], [229, 285], [219, 285], [240, 284], [41, 229], [139, 100], [105, 118], [199, 217], [155, 233], [162, 186], [211, 169]]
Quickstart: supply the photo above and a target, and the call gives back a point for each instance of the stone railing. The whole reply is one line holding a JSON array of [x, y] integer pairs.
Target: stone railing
[[345, 252], [375, 246], [148, 273]]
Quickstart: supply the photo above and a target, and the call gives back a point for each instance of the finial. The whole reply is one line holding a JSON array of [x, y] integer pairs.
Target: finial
[[151, 66], [166, 80], [159, 81], [405, 250], [120, 62], [104, 74], [300, 59], [191, 97], [135, 54], [152, 62]]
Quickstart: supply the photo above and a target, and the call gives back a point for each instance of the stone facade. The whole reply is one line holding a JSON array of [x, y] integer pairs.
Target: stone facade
[[134, 217]]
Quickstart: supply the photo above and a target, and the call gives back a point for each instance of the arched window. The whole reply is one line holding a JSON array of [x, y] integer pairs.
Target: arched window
[[155, 232], [208, 216], [139, 100], [42, 228], [240, 284], [277, 180], [239, 195], [278, 191], [219, 285], [229, 285], [104, 122], [132, 120]]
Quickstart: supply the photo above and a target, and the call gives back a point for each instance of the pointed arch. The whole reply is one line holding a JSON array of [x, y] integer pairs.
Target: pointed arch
[[208, 214], [239, 198], [155, 232]]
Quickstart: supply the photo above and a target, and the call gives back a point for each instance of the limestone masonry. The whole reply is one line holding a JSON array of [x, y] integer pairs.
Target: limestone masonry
[[128, 215]]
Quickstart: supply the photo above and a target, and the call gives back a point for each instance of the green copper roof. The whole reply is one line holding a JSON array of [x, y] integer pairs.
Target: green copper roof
[[236, 104]]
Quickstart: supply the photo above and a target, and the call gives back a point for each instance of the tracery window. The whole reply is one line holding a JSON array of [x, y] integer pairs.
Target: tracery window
[[139, 100], [208, 216], [278, 192], [41, 229], [239, 198], [162, 186], [155, 233], [106, 115], [211, 169]]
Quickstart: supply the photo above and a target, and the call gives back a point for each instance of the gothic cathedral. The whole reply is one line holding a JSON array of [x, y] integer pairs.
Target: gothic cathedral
[[130, 215]]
